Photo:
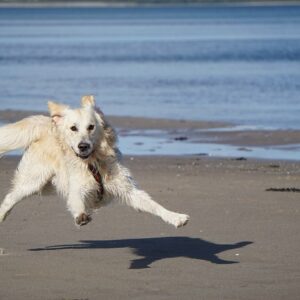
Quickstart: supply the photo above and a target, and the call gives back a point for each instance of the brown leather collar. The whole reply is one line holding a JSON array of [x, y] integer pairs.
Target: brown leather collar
[[99, 180]]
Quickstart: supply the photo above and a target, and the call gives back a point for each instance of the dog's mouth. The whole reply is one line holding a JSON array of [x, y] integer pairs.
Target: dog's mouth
[[83, 155]]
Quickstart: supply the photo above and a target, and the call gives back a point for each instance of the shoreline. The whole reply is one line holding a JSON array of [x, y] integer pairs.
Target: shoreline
[[164, 137], [194, 131]]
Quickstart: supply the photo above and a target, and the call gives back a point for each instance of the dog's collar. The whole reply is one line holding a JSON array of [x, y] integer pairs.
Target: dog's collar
[[97, 176]]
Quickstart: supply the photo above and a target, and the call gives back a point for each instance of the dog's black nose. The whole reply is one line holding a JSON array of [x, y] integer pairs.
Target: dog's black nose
[[83, 147]]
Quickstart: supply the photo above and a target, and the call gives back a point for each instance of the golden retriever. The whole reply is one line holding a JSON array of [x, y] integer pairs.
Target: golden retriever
[[76, 151]]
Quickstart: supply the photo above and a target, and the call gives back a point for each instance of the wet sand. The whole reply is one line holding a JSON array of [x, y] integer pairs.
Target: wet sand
[[194, 131], [242, 242], [125, 122]]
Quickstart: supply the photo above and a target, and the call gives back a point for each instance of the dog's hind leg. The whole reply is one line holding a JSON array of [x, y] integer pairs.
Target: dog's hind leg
[[29, 179]]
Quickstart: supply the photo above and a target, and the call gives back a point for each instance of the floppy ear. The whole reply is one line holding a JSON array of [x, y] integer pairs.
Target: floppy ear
[[88, 101], [56, 110]]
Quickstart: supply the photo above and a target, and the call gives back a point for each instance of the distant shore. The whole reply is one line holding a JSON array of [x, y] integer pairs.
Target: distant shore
[[116, 4]]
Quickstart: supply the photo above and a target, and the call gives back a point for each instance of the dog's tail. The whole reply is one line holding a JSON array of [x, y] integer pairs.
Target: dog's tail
[[21, 134]]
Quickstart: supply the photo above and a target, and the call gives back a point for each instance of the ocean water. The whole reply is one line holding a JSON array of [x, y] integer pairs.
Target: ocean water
[[236, 64]]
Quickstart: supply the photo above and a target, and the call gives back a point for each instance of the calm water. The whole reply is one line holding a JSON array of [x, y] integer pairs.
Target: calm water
[[232, 64]]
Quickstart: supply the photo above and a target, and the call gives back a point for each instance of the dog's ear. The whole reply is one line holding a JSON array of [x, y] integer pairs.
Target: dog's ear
[[56, 110], [88, 101]]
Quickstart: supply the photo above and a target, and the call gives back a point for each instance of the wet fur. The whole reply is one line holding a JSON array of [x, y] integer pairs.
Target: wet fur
[[52, 156]]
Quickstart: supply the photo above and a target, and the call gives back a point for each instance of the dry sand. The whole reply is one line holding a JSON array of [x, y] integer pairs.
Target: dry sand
[[242, 242]]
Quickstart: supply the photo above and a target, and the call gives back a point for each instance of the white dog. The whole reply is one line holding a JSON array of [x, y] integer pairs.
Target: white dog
[[75, 150]]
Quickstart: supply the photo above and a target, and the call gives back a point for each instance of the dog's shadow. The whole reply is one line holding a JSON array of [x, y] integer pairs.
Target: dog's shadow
[[153, 249]]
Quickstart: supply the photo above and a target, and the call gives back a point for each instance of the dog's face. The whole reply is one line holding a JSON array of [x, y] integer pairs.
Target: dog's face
[[80, 128]]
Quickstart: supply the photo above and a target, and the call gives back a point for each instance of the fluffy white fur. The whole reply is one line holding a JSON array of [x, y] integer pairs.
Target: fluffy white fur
[[59, 149]]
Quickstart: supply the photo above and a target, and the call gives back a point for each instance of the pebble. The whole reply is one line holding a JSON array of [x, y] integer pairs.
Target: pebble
[[2, 251]]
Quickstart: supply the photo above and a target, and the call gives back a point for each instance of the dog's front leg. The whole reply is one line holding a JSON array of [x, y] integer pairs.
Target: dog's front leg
[[124, 189], [76, 204], [141, 201]]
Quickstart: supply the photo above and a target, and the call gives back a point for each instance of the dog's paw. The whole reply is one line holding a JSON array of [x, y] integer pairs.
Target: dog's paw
[[179, 220], [83, 219]]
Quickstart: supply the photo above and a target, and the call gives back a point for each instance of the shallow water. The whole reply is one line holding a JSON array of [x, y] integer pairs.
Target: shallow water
[[236, 64], [155, 142]]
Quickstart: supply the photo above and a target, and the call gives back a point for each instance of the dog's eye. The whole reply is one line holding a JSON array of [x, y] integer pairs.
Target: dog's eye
[[74, 128], [91, 127]]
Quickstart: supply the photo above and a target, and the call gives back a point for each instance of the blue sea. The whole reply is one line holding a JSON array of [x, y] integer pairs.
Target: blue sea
[[236, 64]]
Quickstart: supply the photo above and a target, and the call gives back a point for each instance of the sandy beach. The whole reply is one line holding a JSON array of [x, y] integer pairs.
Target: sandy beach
[[242, 241]]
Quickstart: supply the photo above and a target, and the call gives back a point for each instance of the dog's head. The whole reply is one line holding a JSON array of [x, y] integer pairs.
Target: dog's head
[[80, 129]]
